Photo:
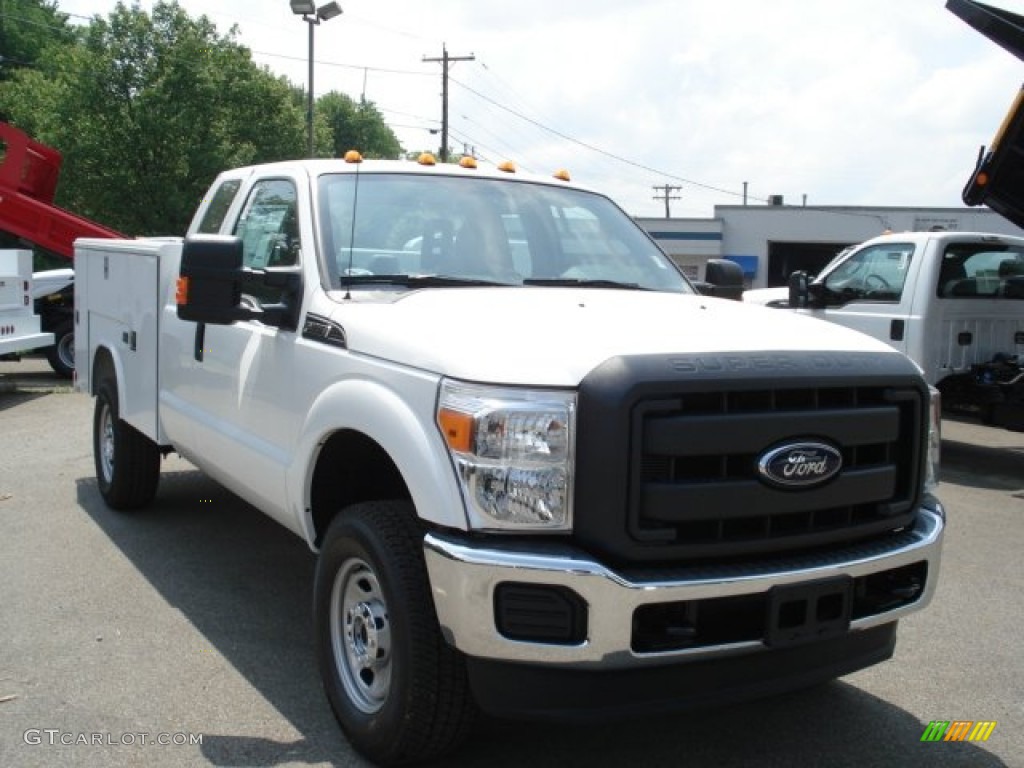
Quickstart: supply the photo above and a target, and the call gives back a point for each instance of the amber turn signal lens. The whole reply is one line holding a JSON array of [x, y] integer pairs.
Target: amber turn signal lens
[[181, 292]]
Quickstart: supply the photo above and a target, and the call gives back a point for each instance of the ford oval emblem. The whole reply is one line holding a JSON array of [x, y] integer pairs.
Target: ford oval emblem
[[799, 464]]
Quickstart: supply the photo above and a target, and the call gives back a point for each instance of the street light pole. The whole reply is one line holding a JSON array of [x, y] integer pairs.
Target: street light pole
[[309, 96], [312, 15]]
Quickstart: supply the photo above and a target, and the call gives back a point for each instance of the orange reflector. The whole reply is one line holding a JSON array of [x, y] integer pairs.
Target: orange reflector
[[981, 179], [508, 167], [457, 428], [353, 156], [468, 162], [562, 175], [181, 292], [426, 159]]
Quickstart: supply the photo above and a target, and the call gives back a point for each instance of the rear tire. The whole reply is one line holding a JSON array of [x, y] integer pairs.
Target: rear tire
[[127, 462], [61, 355], [398, 690]]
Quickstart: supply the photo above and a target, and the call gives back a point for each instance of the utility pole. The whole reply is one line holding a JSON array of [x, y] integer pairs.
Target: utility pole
[[445, 61], [666, 195]]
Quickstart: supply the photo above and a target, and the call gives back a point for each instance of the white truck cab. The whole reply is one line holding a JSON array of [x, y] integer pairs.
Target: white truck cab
[[952, 301], [533, 461]]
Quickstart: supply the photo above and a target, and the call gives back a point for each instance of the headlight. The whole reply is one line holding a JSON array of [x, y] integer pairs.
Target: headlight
[[513, 454], [931, 479]]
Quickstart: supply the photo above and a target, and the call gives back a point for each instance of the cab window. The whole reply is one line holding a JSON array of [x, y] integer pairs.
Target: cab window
[[268, 226], [876, 273], [219, 205], [981, 270]]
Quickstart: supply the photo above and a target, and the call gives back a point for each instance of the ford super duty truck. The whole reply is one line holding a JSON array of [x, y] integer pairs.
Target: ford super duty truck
[[543, 476]]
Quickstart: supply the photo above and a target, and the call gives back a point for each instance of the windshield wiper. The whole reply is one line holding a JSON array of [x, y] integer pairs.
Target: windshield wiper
[[419, 281], [579, 282]]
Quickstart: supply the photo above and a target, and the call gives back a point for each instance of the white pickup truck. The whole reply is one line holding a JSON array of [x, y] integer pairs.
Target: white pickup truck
[[952, 301], [19, 324], [544, 477]]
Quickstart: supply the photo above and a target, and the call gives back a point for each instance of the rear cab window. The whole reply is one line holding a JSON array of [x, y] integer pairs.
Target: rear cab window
[[981, 270], [220, 203]]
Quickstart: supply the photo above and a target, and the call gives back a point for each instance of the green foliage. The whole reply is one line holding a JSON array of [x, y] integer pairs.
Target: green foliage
[[356, 125], [147, 110], [27, 29]]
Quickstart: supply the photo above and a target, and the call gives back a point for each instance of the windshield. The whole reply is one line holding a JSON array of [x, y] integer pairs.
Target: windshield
[[482, 231]]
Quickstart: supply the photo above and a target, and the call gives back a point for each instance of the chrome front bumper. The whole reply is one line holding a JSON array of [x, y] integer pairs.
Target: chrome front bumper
[[463, 578]]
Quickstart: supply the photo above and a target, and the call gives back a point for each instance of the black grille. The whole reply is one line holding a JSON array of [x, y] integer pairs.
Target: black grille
[[688, 477]]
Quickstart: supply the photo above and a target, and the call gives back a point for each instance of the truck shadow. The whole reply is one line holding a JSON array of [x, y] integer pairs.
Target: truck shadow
[[12, 399], [246, 585], [980, 466]]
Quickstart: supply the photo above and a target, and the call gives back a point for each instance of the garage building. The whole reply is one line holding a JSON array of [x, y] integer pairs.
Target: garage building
[[771, 241]]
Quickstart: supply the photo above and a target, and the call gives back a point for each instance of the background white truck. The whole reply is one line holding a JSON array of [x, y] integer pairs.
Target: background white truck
[[544, 477], [19, 324], [952, 301]]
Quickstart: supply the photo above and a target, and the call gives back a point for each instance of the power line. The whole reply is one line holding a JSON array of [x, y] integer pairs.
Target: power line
[[304, 59], [600, 151]]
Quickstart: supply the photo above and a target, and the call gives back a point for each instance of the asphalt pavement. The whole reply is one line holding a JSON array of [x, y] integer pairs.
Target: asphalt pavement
[[190, 623]]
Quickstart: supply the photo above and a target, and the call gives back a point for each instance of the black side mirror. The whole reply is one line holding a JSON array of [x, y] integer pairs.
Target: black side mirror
[[799, 290], [727, 278], [212, 283], [210, 280]]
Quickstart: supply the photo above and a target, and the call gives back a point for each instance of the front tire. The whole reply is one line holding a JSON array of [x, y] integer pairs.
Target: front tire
[[127, 462], [398, 690]]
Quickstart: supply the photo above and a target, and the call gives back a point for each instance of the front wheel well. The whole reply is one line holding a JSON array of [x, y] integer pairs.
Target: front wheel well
[[351, 468], [102, 367]]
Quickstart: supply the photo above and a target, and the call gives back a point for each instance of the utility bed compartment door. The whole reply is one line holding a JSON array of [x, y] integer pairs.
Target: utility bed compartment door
[[19, 325], [117, 302]]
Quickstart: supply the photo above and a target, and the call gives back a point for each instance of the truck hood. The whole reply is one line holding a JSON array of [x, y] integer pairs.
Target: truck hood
[[767, 297], [556, 336]]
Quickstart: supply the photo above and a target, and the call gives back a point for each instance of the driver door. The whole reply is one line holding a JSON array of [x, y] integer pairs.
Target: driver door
[[243, 378], [868, 293]]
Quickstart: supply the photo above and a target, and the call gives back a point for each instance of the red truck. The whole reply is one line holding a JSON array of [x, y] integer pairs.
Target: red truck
[[29, 172]]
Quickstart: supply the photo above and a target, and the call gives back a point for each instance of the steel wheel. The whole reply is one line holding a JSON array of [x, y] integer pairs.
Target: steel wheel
[[399, 691], [105, 435], [61, 356], [361, 636], [127, 462], [66, 350]]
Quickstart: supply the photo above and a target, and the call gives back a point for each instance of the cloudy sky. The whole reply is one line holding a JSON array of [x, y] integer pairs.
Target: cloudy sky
[[846, 102]]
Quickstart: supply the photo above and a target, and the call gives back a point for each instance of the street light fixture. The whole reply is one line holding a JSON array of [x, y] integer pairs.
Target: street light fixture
[[313, 15]]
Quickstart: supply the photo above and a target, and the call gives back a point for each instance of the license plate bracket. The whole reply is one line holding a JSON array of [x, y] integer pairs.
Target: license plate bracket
[[815, 610]]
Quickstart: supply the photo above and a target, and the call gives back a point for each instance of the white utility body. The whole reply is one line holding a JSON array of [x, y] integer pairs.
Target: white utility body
[[19, 324], [531, 458]]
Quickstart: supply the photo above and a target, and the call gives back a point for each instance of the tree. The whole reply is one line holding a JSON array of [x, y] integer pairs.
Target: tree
[[356, 125], [147, 110], [27, 29]]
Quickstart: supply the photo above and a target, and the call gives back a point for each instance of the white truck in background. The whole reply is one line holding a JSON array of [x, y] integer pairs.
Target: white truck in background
[[952, 301], [19, 324], [544, 477]]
